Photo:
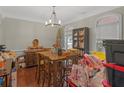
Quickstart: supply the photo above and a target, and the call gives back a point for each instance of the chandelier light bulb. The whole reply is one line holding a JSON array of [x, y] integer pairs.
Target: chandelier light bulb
[[50, 21], [59, 22], [52, 25], [53, 19], [46, 23]]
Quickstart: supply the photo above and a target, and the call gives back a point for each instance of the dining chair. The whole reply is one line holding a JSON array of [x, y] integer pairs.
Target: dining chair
[[20, 61], [43, 71], [67, 68]]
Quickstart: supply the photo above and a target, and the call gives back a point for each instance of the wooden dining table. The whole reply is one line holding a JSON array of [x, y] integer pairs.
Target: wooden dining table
[[30, 56], [55, 61]]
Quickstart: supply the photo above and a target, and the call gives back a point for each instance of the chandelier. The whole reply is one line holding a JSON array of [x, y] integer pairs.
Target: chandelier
[[53, 21]]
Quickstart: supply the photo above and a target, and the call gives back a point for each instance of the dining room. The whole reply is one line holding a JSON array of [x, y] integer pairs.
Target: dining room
[[60, 46]]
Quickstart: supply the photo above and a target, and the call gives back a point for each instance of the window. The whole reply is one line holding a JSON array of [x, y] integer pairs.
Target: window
[[68, 39]]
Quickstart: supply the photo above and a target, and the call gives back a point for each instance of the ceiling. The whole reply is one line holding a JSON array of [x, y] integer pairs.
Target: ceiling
[[67, 14]]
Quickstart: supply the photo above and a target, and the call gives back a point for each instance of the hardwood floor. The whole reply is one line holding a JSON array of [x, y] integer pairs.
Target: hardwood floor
[[26, 77]]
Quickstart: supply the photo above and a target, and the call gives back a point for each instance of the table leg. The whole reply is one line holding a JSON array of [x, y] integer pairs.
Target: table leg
[[54, 74], [49, 74], [38, 75], [61, 74], [6, 80], [57, 74]]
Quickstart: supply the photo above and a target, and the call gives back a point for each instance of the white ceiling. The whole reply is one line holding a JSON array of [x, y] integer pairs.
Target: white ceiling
[[67, 14]]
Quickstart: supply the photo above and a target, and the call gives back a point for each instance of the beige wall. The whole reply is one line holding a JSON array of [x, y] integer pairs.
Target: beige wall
[[90, 22], [1, 31], [18, 34]]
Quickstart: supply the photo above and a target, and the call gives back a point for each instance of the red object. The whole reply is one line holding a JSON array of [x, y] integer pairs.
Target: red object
[[87, 60], [106, 83], [71, 84], [2, 64], [114, 66]]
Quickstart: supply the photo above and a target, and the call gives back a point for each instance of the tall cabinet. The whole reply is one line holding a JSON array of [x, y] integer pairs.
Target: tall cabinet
[[81, 39]]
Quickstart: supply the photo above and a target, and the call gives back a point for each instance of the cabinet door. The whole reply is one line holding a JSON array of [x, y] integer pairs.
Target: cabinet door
[[81, 38], [75, 39]]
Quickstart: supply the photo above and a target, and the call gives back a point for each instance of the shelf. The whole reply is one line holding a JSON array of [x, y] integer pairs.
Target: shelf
[[75, 39], [81, 41], [81, 35]]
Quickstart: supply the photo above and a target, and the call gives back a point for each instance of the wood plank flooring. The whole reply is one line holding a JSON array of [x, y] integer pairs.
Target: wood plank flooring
[[26, 77]]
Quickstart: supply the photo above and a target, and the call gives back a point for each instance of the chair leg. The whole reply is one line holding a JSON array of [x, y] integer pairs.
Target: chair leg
[[49, 79], [61, 76], [38, 80], [36, 73], [43, 78]]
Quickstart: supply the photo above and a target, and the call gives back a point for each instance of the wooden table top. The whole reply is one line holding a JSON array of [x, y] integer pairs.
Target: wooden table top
[[54, 57], [36, 50]]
